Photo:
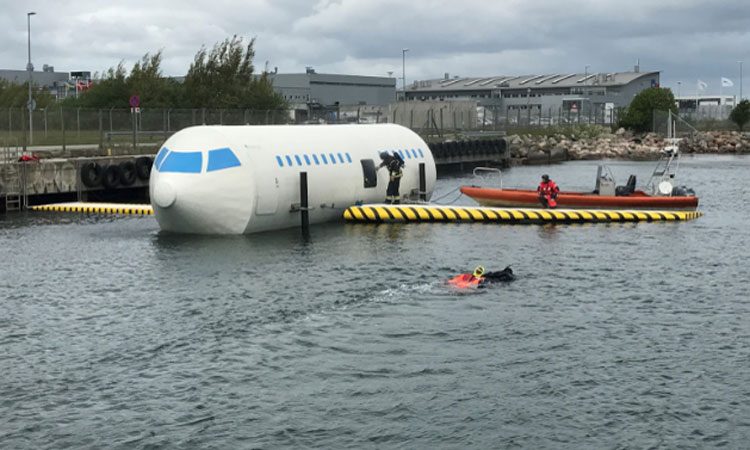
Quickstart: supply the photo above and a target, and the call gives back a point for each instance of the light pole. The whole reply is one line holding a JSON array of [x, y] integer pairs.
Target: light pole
[[679, 86], [30, 68], [403, 69], [586, 74], [740, 63]]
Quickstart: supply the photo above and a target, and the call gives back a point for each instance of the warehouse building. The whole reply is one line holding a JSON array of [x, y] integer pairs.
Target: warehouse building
[[47, 78], [540, 94], [315, 95]]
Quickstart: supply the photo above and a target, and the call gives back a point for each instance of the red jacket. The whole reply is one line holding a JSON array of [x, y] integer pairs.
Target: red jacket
[[465, 280], [548, 188]]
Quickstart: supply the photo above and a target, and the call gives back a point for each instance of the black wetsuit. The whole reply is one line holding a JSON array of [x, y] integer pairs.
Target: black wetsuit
[[498, 276]]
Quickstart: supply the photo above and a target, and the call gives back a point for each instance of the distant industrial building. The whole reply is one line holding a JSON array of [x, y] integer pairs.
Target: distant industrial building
[[47, 78], [59, 84], [313, 94], [581, 93], [705, 107]]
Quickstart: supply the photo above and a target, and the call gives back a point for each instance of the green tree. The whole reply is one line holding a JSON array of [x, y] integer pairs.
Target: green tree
[[116, 86], [740, 115], [638, 116], [223, 78], [12, 95], [108, 90]]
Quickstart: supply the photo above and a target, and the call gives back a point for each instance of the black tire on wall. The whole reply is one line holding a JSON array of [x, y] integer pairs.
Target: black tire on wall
[[91, 174], [127, 173], [111, 176], [143, 167]]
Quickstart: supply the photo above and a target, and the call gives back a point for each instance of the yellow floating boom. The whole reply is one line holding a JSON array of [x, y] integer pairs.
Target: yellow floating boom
[[380, 213], [97, 208]]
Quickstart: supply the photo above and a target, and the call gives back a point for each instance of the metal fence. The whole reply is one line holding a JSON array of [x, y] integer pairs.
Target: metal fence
[[110, 131], [465, 116], [102, 128]]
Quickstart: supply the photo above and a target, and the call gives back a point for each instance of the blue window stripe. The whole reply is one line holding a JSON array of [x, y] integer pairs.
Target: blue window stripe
[[341, 158], [325, 160], [299, 161], [413, 153], [279, 161], [421, 155], [222, 158], [348, 158], [401, 153], [160, 157], [315, 158], [182, 162], [307, 159], [288, 161], [333, 158]]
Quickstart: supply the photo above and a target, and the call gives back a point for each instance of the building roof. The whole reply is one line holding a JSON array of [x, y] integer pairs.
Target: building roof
[[533, 81], [45, 78]]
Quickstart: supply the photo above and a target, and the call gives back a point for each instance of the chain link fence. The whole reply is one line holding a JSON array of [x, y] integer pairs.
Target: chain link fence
[[445, 118], [115, 129], [99, 132]]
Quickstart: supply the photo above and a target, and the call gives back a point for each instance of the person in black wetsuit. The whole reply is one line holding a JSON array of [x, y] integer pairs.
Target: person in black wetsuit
[[499, 275], [395, 164], [480, 278]]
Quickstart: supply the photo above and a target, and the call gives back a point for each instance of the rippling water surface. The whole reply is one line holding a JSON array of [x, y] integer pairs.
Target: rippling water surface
[[115, 335]]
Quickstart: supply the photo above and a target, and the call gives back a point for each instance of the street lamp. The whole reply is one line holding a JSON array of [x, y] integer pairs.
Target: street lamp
[[679, 86], [586, 74], [740, 63], [30, 69], [403, 69]]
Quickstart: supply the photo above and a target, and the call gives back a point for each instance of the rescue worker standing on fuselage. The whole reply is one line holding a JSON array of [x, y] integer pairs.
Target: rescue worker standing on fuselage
[[548, 191], [395, 164]]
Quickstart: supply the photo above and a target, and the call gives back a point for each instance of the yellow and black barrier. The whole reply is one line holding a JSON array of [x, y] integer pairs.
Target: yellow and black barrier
[[97, 208], [438, 213]]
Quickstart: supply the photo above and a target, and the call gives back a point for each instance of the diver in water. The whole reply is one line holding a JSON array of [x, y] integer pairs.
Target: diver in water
[[481, 278]]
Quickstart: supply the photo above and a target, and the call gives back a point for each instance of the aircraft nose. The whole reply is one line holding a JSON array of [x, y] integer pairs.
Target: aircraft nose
[[164, 194]]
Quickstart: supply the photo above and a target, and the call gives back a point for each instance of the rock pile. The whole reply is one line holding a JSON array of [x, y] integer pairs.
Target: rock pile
[[619, 145]]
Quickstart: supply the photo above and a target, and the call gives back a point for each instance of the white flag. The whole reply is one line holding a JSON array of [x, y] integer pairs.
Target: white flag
[[726, 82], [702, 85]]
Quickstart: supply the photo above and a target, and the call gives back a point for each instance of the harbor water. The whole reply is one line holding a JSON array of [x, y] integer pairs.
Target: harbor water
[[116, 335]]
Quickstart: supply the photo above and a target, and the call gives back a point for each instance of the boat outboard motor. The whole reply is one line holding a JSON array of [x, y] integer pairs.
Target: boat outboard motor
[[682, 191]]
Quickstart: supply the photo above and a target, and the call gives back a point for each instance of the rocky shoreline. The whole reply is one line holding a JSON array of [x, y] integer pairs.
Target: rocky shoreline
[[528, 149]]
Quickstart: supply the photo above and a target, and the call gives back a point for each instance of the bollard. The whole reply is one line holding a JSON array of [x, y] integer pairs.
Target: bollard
[[303, 206], [422, 183]]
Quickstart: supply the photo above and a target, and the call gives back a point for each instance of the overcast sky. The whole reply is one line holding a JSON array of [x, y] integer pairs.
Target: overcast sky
[[686, 40]]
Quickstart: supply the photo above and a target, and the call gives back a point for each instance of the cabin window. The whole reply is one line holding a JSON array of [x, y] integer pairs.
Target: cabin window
[[160, 157], [222, 158], [369, 172], [182, 162]]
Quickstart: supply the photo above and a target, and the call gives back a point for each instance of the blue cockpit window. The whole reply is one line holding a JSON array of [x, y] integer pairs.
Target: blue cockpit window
[[160, 157], [222, 158], [183, 162]]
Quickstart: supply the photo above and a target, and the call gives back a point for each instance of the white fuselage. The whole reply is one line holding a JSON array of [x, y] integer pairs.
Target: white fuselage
[[246, 179]]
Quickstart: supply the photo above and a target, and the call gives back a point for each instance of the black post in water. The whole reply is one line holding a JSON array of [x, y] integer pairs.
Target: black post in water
[[422, 183], [303, 202], [135, 132]]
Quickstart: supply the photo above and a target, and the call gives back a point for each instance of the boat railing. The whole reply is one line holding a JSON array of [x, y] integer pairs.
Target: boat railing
[[486, 172]]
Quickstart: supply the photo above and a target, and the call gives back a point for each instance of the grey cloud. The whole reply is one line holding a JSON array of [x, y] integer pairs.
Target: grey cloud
[[686, 39]]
